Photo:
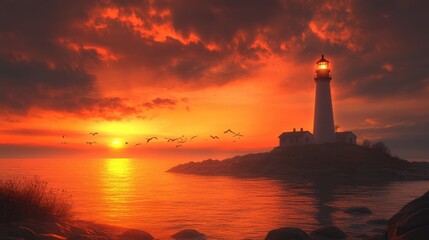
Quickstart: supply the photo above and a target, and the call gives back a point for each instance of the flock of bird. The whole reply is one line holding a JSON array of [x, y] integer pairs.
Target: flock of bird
[[179, 141]]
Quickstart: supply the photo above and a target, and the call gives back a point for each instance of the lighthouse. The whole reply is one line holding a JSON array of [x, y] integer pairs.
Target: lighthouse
[[323, 128]]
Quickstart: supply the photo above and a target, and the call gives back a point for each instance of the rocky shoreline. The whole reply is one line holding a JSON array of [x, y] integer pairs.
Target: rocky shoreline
[[410, 223], [345, 162]]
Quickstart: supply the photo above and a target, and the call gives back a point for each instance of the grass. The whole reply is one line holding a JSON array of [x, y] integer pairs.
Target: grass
[[32, 199]]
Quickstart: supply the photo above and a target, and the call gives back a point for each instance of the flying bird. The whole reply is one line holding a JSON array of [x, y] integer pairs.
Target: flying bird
[[238, 135], [193, 138], [150, 139], [90, 143], [93, 133], [126, 142], [137, 144], [177, 146], [63, 136], [229, 131], [64, 142], [214, 137]]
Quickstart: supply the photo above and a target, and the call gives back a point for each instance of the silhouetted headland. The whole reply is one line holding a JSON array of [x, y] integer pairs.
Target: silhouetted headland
[[335, 160]]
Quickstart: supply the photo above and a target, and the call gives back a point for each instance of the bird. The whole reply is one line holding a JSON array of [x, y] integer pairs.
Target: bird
[[170, 139], [179, 145], [93, 133], [238, 135], [63, 136], [126, 142], [193, 138], [229, 131], [90, 143], [137, 144], [64, 142], [214, 137], [150, 139]]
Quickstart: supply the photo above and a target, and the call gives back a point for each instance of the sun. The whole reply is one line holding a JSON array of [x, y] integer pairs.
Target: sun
[[116, 143]]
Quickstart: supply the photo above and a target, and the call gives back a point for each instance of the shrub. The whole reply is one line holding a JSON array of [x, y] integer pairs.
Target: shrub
[[380, 147], [32, 199]]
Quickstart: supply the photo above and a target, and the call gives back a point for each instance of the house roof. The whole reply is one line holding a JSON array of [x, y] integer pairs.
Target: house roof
[[344, 134], [294, 134]]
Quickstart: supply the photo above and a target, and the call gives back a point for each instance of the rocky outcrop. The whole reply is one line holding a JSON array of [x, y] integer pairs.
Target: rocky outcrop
[[345, 161], [287, 233], [73, 230], [411, 222], [189, 234], [135, 234]]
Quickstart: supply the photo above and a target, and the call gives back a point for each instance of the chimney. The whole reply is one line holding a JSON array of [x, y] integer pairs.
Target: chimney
[[294, 129], [302, 129]]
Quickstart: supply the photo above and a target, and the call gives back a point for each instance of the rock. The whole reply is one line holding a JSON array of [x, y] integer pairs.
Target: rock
[[419, 233], [135, 234], [25, 233], [377, 222], [378, 237], [50, 236], [411, 222], [361, 235], [189, 234], [287, 233], [10, 238], [358, 211], [328, 232], [91, 237]]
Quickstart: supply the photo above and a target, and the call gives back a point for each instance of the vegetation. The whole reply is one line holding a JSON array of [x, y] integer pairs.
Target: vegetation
[[32, 199], [378, 147]]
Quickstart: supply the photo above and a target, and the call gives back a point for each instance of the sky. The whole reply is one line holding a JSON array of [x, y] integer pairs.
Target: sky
[[133, 69]]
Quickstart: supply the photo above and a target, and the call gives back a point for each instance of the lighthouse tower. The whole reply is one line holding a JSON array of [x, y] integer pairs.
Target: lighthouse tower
[[323, 129]]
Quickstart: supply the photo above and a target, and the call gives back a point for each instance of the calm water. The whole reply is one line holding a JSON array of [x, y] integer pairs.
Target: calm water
[[139, 193]]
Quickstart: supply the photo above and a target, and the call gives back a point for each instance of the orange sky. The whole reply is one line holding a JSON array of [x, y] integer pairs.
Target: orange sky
[[135, 69]]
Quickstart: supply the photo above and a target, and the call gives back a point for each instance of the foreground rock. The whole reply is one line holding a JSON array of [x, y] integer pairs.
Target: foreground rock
[[328, 233], [73, 230], [135, 234], [287, 233], [189, 234], [411, 222], [343, 161]]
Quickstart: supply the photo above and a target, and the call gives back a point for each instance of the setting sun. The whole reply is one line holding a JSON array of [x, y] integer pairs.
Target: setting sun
[[116, 143]]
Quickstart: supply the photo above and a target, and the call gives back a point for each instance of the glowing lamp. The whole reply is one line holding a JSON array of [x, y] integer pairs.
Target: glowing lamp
[[322, 64]]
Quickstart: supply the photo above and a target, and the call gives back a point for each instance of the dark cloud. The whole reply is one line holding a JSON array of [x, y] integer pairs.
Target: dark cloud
[[50, 49], [407, 139], [161, 102], [28, 83]]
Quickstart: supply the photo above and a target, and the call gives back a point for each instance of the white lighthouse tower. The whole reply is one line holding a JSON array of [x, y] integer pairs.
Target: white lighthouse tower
[[323, 131]]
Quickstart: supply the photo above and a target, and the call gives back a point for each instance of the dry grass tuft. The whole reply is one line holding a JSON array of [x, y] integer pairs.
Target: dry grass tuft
[[32, 199]]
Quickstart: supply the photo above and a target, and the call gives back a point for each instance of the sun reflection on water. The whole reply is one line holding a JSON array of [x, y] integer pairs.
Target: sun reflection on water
[[118, 186]]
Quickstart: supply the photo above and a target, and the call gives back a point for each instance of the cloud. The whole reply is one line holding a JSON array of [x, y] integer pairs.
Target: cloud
[[405, 139], [50, 52], [161, 102]]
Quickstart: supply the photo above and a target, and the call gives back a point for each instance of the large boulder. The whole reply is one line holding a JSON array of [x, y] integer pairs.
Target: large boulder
[[328, 232], [287, 233], [135, 234], [189, 234], [25, 233], [411, 222]]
